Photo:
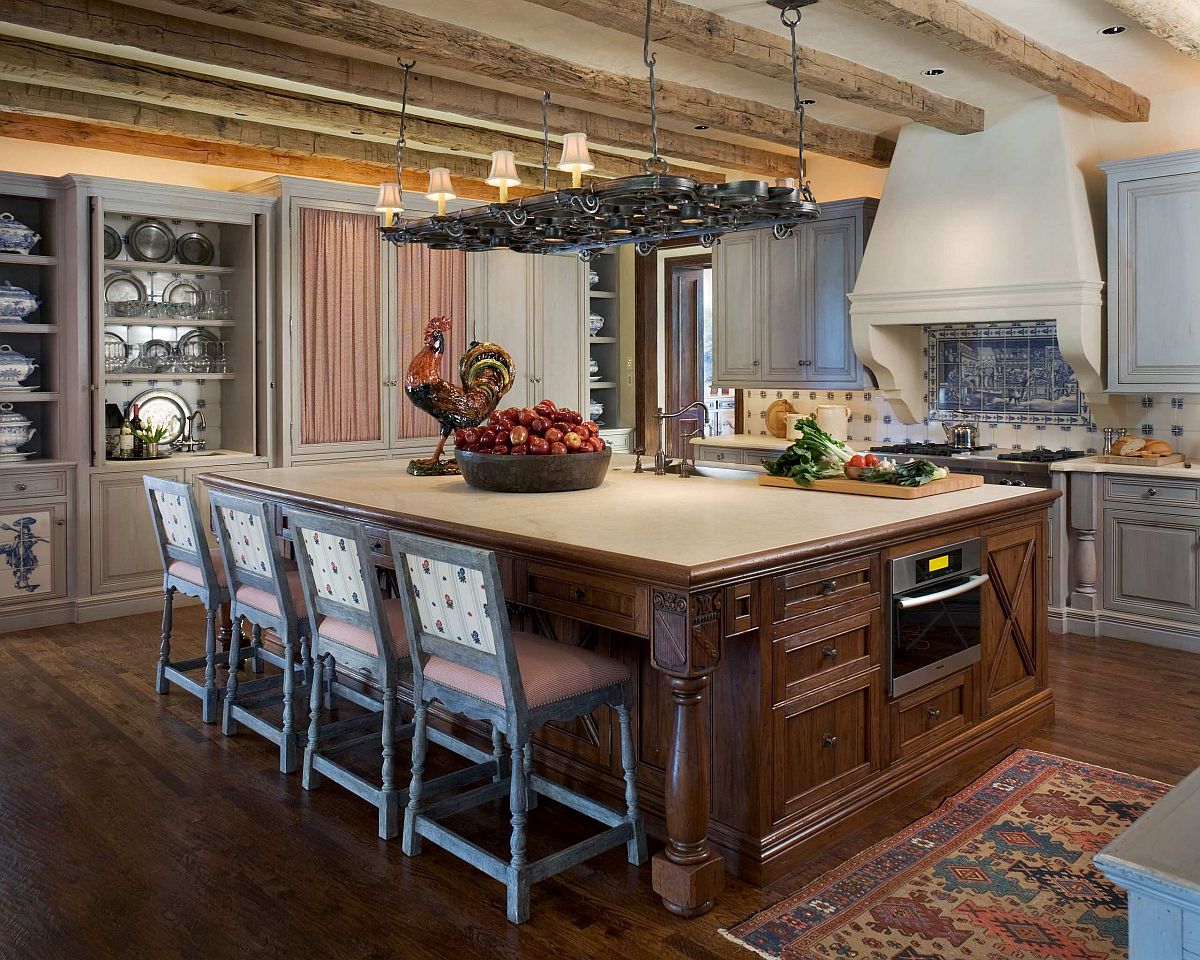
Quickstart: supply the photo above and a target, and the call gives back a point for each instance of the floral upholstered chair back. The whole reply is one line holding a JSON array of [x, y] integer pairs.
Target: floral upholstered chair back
[[454, 608], [338, 575], [177, 524], [247, 546]]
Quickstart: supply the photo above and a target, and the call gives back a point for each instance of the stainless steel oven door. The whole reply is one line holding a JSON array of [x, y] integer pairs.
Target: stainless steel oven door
[[935, 631]]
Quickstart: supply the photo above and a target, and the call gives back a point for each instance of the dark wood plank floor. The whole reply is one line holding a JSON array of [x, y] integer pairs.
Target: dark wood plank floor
[[129, 829]]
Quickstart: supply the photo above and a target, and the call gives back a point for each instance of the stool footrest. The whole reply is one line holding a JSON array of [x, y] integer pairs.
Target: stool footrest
[[580, 804], [548, 866]]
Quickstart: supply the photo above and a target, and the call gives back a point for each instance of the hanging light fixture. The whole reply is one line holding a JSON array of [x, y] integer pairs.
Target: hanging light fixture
[[390, 204], [645, 209]]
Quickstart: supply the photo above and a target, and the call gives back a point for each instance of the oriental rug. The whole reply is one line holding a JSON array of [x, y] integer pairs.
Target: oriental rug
[[1002, 871]]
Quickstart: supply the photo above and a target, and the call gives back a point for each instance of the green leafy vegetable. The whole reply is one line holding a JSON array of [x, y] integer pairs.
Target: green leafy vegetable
[[916, 473], [813, 456]]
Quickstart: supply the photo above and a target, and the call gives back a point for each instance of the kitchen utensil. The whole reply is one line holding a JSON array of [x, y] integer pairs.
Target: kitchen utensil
[[950, 484], [15, 237], [123, 287], [163, 408], [961, 435], [151, 241], [779, 415], [16, 303], [112, 243], [15, 429], [194, 249], [832, 418], [14, 367], [578, 471], [1165, 460]]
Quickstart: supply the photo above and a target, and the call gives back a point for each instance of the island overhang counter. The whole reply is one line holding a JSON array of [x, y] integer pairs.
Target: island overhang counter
[[754, 620]]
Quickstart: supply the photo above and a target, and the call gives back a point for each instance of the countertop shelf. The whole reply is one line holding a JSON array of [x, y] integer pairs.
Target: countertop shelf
[[28, 259], [601, 385], [166, 377], [142, 266]]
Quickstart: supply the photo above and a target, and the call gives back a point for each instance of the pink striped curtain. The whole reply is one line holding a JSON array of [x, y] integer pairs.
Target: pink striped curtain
[[429, 283], [339, 327]]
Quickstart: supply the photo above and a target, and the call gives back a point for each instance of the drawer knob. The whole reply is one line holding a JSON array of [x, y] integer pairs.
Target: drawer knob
[[829, 653], [720, 456], [61, 522], [377, 545], [934, 713], [22, 486], [756, 363], [577, 593], [828, 587], [828, 740], [1152, 492]]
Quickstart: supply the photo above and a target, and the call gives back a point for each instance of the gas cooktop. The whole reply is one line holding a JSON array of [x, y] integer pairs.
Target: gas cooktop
[[929, 449], [1039, 455]]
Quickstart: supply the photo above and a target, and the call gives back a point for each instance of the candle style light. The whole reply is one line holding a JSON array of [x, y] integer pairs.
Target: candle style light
[[575, 158], [440, 188], [390, 203], [503, 173]]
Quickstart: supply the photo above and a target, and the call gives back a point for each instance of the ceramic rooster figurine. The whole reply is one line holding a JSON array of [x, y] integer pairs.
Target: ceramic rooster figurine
[[486, 372]]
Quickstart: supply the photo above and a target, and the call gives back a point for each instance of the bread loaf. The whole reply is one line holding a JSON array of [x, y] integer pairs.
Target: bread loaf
[[1126, 446], [1156, 448]]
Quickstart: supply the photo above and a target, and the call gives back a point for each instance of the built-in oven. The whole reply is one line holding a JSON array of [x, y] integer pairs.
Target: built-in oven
[[937, 609]]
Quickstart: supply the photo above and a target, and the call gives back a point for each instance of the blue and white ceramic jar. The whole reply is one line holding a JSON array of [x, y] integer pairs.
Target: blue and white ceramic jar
[[15, 237], [16, 303], [15, 429], [14, 366]]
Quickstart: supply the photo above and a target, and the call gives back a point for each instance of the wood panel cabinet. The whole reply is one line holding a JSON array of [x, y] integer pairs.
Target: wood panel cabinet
[[1013, 616], [1152, 562], [1154, 287], [781, 313]]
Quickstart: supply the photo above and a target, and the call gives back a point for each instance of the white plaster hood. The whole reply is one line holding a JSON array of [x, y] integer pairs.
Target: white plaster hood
[[990, 227]]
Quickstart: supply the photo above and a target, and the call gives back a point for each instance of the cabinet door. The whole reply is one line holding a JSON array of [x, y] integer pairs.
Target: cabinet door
[[560, 342], [1157, 335], [737, 303], [785, 309], [32, 553], [830, 266], [1151, 564], [1013, 619], [124, 549], [502, 300]]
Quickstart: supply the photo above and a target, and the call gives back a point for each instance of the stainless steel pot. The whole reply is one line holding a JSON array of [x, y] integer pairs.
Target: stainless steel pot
[[963, 435]]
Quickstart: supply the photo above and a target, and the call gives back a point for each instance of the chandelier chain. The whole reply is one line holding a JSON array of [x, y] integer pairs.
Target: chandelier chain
[[654, 163], [545, 140], [790, 16], [401, 142]]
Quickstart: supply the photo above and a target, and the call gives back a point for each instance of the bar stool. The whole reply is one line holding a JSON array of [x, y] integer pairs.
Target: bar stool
[[359, 633], [190, 567], [466, 656], [266, 594]]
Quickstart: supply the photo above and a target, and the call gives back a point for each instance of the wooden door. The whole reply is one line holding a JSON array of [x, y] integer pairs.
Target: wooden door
[[1152, 563], [785, 309], [830, 266], [737, 309], [33, 544], [684, 343], [500, 302], [124, 547], [560, 337], [1013, 616]]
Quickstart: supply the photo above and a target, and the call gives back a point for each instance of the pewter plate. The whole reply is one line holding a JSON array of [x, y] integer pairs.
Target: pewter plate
[[194, 249], [165, 407], [112, 243], [177, 292], [122, 287], [151, 241]]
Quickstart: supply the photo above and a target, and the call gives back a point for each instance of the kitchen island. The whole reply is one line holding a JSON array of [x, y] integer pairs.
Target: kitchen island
[[755, 622]]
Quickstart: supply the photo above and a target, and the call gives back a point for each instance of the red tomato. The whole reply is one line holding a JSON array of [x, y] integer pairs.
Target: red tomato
[[573, 440], [500, 450], [518, 436], [539, 425], [558, 448], [857, 461], [871, 460], [538, 446], [519, 450], [526, 417], [554, 435]]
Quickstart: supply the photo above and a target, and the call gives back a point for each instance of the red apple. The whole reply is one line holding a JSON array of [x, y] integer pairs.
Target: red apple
[[487, 438], [558, 448], [554, 435], [518, 436], [573, 440], [538, 446], [519, 450], [526, 417], [539, 425], [500, 450], [545, 409]]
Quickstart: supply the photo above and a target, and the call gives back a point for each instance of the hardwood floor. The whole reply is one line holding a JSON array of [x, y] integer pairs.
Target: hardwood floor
[[129, 829]]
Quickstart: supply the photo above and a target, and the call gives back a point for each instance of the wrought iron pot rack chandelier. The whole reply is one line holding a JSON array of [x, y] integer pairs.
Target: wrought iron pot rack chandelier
[[645, 210]]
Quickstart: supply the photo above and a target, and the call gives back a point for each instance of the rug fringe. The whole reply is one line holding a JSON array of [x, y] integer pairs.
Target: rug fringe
[[743, 944]]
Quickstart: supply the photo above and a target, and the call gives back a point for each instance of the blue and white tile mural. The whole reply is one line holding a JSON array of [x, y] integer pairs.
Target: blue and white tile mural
[[1001, 373]]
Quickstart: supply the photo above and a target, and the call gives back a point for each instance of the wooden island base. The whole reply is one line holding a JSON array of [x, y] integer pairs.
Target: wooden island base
[[763, 728]]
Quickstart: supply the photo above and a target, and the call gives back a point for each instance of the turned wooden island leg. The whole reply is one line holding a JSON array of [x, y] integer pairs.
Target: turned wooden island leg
[[687, 874]]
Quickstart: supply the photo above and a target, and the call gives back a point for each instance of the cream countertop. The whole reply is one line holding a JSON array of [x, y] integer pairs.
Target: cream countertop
[[754, 441], [685, 525], [1093, 465]]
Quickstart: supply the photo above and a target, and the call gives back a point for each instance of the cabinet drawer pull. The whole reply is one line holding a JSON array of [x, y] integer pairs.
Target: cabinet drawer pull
[[804, 363], [828, 740], [1152, 492], [756, 363], [829, 652], [22, 486], [720, 456], [577, 593], [377, 546], [828, 587], [60, 522], [934, 713]]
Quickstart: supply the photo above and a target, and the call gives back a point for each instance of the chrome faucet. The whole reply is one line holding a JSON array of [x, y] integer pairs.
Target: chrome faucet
[[662, 462], [188, 441]]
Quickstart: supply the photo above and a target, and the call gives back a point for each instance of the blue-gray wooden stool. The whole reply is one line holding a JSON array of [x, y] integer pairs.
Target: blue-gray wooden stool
[[356, 631], [265, 593], [466, 657], [190, 567]]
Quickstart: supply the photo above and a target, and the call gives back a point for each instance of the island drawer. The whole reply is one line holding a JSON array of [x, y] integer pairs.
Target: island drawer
[[20, 486], [606, 601], [1150, 490], [720, 454], [814, 591], [825, 742], [824, 654], [929, 715]]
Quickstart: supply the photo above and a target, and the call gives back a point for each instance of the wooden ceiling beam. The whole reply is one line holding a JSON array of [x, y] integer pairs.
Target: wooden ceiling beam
[[701, 33], [399, 33], [203, 43], [984, 38], [1176, 21], [110, 123]]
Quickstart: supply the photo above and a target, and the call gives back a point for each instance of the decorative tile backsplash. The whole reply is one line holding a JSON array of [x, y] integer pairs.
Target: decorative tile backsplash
[[1174, 418]]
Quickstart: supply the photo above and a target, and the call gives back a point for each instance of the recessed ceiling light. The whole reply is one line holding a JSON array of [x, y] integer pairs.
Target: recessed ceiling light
[[807, 102], [700, 126], [934, 72], [1114, 31]]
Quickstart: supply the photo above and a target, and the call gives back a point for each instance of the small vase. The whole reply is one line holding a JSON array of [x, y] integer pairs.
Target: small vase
[[150, 450]]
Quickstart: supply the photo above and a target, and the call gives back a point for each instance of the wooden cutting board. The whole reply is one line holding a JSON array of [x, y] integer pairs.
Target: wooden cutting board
[[778, 414], [950, 484], [1165, 460]]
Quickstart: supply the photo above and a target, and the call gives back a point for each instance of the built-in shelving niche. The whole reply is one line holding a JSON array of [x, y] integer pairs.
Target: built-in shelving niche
[[605, 346]]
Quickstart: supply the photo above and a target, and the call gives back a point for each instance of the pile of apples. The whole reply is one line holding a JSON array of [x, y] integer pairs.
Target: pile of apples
[[541, 430]]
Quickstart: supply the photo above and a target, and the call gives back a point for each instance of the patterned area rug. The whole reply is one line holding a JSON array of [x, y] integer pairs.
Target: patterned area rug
[[1002, 871]]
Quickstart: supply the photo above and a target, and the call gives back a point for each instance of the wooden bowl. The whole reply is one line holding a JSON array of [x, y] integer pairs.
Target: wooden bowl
[[543, 474]]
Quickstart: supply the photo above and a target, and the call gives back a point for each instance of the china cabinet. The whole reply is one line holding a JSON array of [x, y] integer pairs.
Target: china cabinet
[[781, 314]]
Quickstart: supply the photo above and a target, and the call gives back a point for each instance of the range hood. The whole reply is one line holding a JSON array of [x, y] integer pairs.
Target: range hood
[[985, 228]]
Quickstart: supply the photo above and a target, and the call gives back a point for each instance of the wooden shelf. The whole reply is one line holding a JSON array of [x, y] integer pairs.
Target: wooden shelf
[[145, 322], [602, 295], [28, 259], [18, 327], [602, 339], [140, 266], [602, 385], [36, 396], [166, 377]]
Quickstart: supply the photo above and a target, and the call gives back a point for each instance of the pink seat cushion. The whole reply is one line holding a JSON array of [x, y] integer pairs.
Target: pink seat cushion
[[550, 671], [342, 632], [264, 601], [193, 574]]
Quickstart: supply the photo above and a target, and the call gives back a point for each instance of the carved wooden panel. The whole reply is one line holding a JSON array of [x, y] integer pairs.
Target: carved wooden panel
[[1014, 615]]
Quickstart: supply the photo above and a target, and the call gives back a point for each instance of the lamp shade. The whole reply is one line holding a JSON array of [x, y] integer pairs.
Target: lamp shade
[[390, 201], [440, 187], [575, 158], [504, 170]]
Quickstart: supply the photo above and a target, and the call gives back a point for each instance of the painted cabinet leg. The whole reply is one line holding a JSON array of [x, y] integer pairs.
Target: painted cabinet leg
[[687, 874]]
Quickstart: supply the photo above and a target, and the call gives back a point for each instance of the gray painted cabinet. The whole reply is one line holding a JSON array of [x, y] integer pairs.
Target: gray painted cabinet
[[1154, 287], [1151, 563], [781, 314]]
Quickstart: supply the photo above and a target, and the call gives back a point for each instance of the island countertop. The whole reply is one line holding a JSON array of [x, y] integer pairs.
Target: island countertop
[[676, 531]]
